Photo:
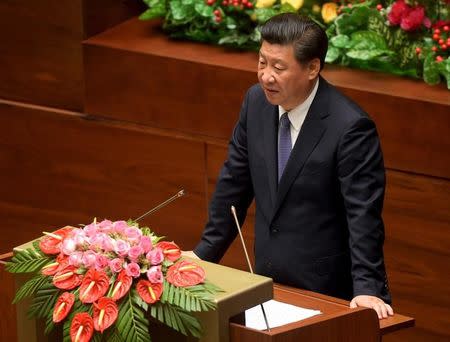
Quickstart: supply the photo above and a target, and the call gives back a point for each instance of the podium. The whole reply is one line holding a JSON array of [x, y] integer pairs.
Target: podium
[[243, 290]]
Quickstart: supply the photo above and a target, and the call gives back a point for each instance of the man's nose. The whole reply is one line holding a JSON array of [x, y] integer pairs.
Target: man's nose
[[267, 77]]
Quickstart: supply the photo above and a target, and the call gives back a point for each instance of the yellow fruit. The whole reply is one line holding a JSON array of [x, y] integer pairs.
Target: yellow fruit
[[264, 3]]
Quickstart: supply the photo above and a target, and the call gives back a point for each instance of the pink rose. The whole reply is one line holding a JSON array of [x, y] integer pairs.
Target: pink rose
[[146, 243], [120, 226], [76, 258], [101, 262], [89, 258], [90, 229], [79, 236], [122, 248], [116, 265], [133, 234], [155, 256], [105, 226], [108, 244], [68, 246], [135, 252], [154, 275], [133, 270]]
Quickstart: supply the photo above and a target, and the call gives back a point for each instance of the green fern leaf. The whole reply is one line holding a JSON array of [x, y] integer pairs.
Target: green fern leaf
[[194, 298], [133, 325], [176, 318], [30, 287], [27, 260], [44, 300]]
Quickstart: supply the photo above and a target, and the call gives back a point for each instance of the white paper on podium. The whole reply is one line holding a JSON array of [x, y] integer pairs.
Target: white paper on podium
[[277, 313]]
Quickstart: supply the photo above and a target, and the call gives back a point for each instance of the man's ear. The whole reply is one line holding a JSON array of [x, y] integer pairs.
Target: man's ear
[[313, 68]]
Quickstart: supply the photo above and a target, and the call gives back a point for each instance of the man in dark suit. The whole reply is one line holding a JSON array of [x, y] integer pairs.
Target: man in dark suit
[[311, 159]]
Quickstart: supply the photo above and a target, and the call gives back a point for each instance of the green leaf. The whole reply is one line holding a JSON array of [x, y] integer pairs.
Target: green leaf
[[27, 260], [158, 11], [203, 9], [366, 54], [176, 318], [133, 325], [193, 298], [348, 23], [30, 287], [362, 40], [430, 70], [44, 300], [264, 14], [340, 41]]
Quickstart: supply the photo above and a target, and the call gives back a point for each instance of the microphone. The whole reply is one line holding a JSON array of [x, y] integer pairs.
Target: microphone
[[163, 204], [233, 211]]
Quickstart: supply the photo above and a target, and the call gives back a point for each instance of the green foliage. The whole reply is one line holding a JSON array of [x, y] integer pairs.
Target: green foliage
[[193, 298], [176, 318], [27, 260], [30, 287], [44, 300], [158, 9], [133, 325]]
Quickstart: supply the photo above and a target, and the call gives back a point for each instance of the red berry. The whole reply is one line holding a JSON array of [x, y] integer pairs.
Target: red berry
[[418, 50], [249, 5], [217, 12], [446, 28], [441, 41], [210, 2], [244, 2], [218, 19], [379, 7], [444, 47], [437, 31], [434, 48], [439, 59], [436, 36], [350, 5], [448, 41], [224, 2]]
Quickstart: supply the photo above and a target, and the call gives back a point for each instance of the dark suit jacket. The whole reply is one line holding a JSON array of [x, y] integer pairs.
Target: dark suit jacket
[[320, 228]]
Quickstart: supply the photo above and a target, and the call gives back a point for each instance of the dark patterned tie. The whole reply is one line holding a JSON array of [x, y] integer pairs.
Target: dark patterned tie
[[285, 143]]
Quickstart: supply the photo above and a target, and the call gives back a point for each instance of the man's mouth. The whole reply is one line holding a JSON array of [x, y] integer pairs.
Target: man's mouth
[[271, 91]]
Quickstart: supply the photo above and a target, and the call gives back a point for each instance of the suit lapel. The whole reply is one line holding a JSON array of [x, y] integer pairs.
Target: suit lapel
[[310, 134], [270, 137]]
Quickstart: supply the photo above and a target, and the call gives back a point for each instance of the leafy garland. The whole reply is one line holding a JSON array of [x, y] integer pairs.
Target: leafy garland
[[359, 34], [174, 308]]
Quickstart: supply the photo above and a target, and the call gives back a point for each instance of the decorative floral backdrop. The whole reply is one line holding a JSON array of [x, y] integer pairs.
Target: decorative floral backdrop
[[403, 37]]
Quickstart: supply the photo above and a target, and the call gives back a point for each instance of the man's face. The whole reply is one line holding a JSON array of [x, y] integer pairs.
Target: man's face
[[284, 80]]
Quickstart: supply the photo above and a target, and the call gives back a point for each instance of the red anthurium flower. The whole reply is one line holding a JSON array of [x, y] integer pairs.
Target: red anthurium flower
[[170, 250], [121, 285], [50, 244], [63, 306], [60, 263], [95, 284], [148, 291], [67, 278], [82, 327], [185, 273], [105, 313]]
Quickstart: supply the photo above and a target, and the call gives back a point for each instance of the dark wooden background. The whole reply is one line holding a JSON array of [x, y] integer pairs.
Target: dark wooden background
[[113, 126]]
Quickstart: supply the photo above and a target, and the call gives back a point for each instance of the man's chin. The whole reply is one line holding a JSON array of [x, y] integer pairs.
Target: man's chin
[[272, 97]]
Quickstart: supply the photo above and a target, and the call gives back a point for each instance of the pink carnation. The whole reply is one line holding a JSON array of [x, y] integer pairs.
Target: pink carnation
[[133, 270], [154, 275]]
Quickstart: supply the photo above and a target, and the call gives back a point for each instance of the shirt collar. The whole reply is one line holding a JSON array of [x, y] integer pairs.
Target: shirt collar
[[298, 114]]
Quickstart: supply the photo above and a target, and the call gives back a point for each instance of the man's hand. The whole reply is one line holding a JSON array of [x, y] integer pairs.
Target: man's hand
[[383, 310], [189, 254]]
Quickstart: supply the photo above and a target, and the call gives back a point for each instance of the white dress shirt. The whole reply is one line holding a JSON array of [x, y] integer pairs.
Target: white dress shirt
[[298, 114]]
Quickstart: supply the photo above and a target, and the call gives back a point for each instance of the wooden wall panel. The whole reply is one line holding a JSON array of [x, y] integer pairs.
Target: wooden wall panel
[[417, 249], [40, 54], [8, 322], [198, 89], [73, 168]]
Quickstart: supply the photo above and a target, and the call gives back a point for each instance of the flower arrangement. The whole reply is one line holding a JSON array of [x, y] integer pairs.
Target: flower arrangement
[[104, 280], [403, 37]]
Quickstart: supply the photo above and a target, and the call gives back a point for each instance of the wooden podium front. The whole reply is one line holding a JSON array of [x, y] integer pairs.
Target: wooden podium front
[[336, 323]]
